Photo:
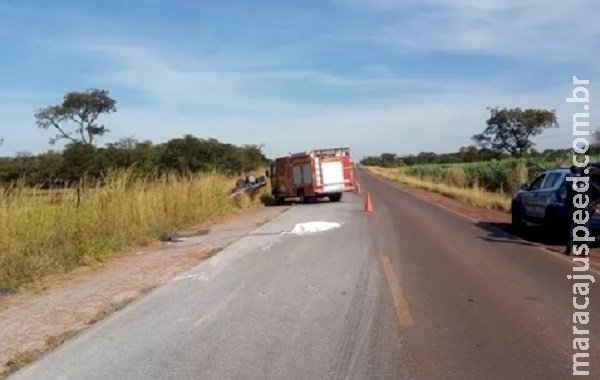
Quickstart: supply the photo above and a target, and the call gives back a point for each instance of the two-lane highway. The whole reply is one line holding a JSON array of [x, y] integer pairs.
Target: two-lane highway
[[410, 291]]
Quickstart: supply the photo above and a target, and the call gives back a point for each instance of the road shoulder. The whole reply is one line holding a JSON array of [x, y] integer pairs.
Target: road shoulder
[[36, 320]]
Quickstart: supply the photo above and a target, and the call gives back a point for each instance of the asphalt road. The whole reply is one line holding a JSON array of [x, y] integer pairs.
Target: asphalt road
[[410, 291]]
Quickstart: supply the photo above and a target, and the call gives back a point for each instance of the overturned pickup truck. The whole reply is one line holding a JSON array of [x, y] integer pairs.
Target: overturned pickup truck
[[250, 185]]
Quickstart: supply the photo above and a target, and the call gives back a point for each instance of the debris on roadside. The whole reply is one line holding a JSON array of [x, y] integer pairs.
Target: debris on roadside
[[176, 238]]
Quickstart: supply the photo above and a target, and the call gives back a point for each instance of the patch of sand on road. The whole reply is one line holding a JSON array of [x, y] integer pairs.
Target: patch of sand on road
[[72, 301]]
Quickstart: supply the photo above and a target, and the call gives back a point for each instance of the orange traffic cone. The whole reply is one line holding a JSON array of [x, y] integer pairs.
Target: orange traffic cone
[[368, 205], [358, 187]]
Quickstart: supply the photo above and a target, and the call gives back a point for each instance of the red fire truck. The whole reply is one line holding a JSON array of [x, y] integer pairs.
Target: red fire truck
[[313, 174]]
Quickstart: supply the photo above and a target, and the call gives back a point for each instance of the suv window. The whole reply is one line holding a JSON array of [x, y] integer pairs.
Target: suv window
[[562, 191], [537, 183], [551, 180]]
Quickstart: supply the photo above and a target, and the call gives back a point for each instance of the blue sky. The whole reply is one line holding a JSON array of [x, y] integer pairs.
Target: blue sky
[[399, 76]]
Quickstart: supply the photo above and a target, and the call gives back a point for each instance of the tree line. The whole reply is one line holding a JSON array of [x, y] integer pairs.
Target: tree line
[[78, 160], [508, 133], [76, 121], [465, 154]]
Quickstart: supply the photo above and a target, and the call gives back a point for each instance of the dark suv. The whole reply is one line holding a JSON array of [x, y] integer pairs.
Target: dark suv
[[542, 203]]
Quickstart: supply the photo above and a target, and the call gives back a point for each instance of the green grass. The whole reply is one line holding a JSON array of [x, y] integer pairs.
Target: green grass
[[504, 176], [44, 232], [488, 184]]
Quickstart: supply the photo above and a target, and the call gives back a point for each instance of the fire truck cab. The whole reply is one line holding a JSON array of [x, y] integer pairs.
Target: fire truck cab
[[313, 174]]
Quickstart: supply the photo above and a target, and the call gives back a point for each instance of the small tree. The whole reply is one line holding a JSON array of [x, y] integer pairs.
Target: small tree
[[81, 109], [388, 160], [469, 153], [510, 129]]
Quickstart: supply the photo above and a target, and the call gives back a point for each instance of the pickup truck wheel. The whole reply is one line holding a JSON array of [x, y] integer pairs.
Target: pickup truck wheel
[[517, 224]]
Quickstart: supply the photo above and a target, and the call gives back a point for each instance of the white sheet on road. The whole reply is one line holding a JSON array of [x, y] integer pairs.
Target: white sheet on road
[[313, 227]]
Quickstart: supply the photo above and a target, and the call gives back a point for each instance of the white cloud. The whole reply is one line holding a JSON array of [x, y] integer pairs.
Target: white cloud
[[258, 96], [547, 30], [169, 79], [200, 95]]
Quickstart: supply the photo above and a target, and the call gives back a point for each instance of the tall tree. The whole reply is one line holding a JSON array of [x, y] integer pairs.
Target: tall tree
[[511, 129], [75, 119], [595, 137]]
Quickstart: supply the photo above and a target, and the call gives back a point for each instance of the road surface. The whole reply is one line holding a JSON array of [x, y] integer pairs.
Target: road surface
[[410, 291]]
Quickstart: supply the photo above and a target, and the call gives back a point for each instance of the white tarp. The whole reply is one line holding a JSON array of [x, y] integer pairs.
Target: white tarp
[[313, 227]]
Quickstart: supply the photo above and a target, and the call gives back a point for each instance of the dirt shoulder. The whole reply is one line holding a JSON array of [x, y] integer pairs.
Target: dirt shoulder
[[35, 319], [491, 219]]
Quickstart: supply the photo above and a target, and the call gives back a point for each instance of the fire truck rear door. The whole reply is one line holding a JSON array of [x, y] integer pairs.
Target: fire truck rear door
[[333, 175]]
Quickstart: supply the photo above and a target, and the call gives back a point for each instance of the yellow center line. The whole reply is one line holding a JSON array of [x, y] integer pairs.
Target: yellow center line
[[402, 310]]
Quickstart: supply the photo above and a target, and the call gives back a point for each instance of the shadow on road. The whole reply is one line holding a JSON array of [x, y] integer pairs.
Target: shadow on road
[[269, 201], [532, 236]]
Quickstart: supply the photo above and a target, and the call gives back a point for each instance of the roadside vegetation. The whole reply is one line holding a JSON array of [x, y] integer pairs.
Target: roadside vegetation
[[503, 176], [62, 209], [46, 231], [474, 194], [488, 184], [488, 173]]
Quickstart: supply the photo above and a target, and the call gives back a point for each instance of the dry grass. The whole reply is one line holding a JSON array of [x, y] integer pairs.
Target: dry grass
[[472, 195], [43, 232], [19, 360]]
